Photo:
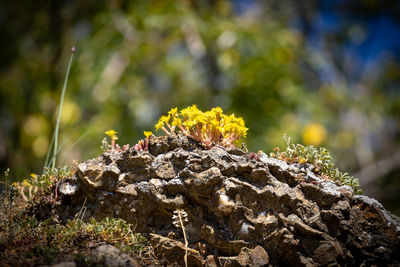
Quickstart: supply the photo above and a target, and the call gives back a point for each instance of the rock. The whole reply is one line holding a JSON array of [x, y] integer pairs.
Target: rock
[[63, 264], [256, 257], [211, 261], [175, 251], [68, 188], [247, 211], [108, 255]]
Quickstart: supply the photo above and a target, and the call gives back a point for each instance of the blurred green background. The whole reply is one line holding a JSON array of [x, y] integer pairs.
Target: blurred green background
[[325, 72]]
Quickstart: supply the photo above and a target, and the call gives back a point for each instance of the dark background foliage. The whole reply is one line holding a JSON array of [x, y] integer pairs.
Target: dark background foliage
[[324, 72]]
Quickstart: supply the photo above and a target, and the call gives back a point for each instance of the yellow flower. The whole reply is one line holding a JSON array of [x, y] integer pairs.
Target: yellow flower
[[147, 134], [161, 122], [190, 112], [302, 160], [189, 123], [173, 112], [176, 122], [217, 112], [159, 125], [112, 134]]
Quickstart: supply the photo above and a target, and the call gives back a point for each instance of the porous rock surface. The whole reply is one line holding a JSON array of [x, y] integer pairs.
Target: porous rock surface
[[242, 209]]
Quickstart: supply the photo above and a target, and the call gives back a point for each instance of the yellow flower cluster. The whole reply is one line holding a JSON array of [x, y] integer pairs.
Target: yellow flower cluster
[[210, 128]]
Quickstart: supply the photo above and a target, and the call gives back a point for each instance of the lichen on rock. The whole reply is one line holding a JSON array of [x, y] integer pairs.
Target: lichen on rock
[[241, 210]]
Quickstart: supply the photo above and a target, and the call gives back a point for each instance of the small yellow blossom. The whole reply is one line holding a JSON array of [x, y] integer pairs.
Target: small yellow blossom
[[173, 112], [162, 121], [147, 134], [176, 122], [302, 160], [112, 134]]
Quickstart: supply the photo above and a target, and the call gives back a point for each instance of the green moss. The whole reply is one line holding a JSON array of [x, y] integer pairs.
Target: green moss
[[320, 159]]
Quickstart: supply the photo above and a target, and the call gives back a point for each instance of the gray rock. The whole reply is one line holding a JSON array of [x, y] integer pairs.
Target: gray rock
[[246, 211], [68, 188], [108, 255], [62, 264]]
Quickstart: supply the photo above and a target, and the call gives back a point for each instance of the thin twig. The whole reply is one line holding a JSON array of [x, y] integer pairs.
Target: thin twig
[[184, 236]]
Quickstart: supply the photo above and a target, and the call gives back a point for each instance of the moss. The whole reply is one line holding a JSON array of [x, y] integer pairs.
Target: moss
[[320, 160]]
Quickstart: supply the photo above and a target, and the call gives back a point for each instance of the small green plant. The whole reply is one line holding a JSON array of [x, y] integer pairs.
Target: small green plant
[[209, 128], [114, 231], [319, 158], [37, 186]]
